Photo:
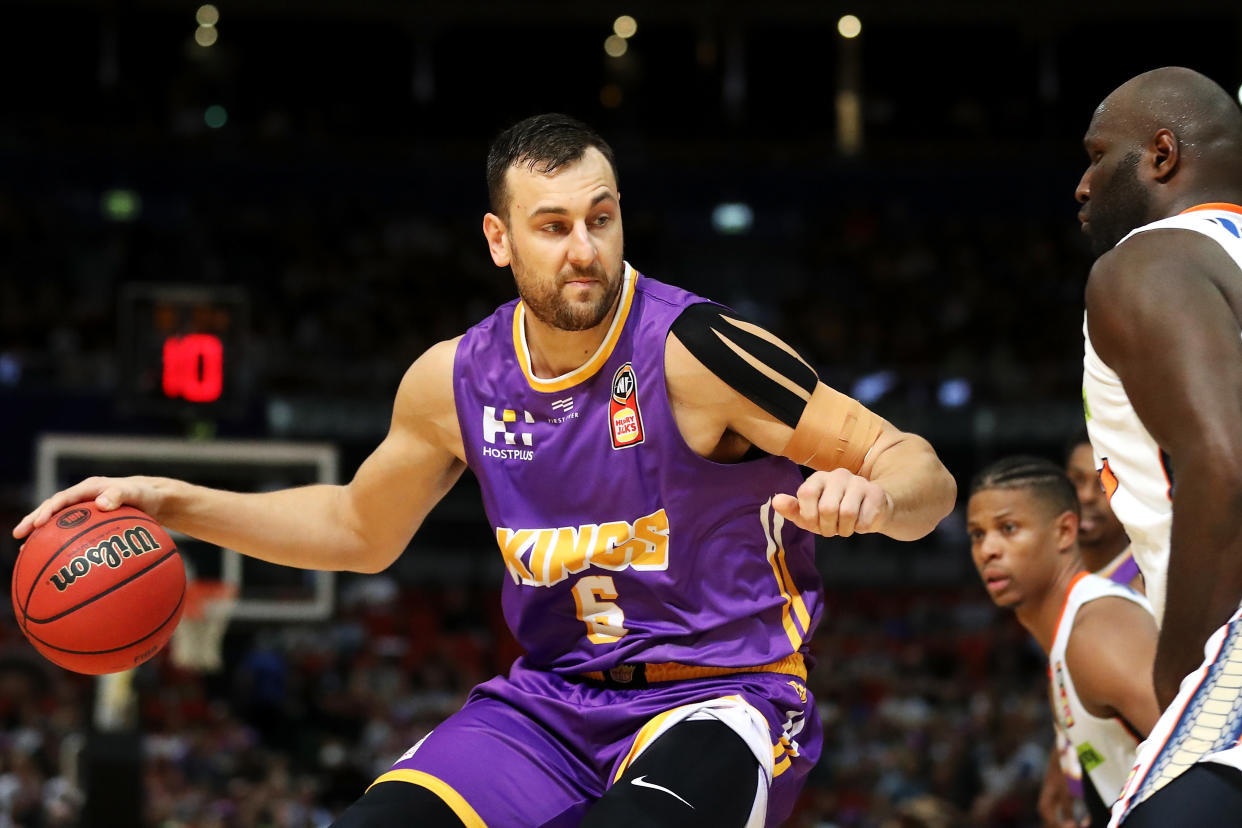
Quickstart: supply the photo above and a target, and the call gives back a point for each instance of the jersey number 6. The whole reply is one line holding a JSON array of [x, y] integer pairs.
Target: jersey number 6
[[593, 597]]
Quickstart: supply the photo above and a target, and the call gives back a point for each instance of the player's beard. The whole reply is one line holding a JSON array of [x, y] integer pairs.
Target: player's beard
[[1123, 205], [549, 306]]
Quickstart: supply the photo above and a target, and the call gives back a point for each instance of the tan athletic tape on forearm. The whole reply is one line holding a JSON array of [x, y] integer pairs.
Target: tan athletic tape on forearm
[[833, 432]]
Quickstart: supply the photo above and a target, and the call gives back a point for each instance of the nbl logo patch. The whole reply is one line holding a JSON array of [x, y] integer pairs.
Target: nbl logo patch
[[624, 419]]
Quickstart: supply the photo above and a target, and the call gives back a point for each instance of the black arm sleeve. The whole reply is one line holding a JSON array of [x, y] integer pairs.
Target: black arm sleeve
[[719, 344]]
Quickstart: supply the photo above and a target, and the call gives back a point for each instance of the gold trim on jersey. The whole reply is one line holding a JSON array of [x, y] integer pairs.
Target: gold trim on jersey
[[591, 366], [456, 802], [792, 604]]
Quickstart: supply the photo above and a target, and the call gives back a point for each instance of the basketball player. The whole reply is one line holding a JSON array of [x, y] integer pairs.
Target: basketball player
[[637, 450], [1161, 389], [1023, 522], [1105, 551], [1102, 539]]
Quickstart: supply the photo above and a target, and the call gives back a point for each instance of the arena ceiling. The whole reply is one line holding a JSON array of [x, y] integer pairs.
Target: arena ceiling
[[675, 11]]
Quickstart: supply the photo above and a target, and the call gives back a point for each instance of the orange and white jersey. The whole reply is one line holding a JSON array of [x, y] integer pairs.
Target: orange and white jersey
[[1133, 469], [1105, 747]]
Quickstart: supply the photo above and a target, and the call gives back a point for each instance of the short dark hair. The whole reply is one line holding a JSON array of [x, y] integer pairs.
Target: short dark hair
[[1078, 438], [544, 143], [1043, 478]]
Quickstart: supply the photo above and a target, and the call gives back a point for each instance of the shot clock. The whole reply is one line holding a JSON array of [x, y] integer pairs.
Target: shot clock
[[181, 349]]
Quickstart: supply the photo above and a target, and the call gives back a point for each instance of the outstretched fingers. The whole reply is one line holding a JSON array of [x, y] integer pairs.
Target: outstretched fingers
[[107, 494]]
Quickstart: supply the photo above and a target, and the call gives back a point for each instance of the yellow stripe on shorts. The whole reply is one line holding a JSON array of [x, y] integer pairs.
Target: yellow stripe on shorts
[[456, 802], [644, 736]]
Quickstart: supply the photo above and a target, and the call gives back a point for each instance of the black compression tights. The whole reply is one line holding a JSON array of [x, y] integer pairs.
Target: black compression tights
[[697, 774], [393, 804], [1206, 795]]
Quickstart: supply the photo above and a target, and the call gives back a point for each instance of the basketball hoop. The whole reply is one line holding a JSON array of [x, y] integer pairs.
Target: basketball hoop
[[196, 641]]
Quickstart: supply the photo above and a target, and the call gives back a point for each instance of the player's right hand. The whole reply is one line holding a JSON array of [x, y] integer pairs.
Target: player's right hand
[[1056, 803], [106, 492], [836, 504]]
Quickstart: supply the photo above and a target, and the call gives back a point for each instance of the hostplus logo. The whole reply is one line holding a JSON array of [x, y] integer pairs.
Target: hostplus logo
[[507, 430]]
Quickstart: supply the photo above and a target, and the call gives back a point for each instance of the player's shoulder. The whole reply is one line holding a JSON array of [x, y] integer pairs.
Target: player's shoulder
[[1148, 280], [1156, 255], [1110, 613], [663, 291], [425, 404], [664, 297], [499, 321], [1127, 265], [1112, 638], [441, 354], [430, 377], [1115, 627]]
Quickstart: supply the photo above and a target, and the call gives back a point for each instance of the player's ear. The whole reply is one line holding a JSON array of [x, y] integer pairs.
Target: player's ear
[[1066, 530], [1164, 152], [497, 236]]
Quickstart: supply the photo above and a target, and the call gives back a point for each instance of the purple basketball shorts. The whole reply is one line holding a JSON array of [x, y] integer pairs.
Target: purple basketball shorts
[[536, 749]]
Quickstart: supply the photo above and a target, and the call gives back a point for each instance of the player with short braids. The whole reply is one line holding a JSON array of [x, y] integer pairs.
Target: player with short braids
[[1100, 636], [1044, 478]]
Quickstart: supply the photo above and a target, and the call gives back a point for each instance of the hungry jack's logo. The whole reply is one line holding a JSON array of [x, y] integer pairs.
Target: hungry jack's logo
[[624, 419]]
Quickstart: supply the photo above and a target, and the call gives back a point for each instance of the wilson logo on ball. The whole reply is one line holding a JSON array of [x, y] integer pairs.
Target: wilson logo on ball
[[110, 553], [75, 518]]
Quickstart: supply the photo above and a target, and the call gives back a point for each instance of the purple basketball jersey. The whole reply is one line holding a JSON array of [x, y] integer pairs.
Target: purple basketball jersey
[[621, 544]]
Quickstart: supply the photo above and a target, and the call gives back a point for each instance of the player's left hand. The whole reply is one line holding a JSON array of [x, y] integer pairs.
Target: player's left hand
[[832, 503]]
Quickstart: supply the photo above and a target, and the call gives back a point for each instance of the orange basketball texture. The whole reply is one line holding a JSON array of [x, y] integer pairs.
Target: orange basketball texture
[[99, 592]]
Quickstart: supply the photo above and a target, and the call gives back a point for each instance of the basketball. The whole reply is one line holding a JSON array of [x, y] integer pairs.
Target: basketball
[[99, 592]]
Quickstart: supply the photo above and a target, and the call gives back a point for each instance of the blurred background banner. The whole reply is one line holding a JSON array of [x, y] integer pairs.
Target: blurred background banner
[[240, 222]]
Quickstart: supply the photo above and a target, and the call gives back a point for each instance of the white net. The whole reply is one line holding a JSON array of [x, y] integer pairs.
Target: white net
[[196, 642]]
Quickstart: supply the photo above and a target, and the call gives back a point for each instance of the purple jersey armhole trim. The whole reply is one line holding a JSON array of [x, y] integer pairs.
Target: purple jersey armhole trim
[[1125, 572]]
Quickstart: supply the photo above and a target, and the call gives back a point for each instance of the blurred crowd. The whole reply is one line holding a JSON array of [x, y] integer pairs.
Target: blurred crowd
[[343, 296], [933, 704]]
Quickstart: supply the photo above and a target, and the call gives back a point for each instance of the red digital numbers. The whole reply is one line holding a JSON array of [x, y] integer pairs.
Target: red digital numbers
[[194, 367]]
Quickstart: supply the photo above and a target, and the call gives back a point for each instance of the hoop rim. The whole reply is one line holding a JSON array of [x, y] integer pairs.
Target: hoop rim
[[201, 593]]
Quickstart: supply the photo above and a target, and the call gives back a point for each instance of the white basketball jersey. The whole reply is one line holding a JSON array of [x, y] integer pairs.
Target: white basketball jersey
[[1132, 467], [1105, 747]]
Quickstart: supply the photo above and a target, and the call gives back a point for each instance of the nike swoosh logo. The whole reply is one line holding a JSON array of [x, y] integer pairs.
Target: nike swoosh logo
[[642, 784]]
